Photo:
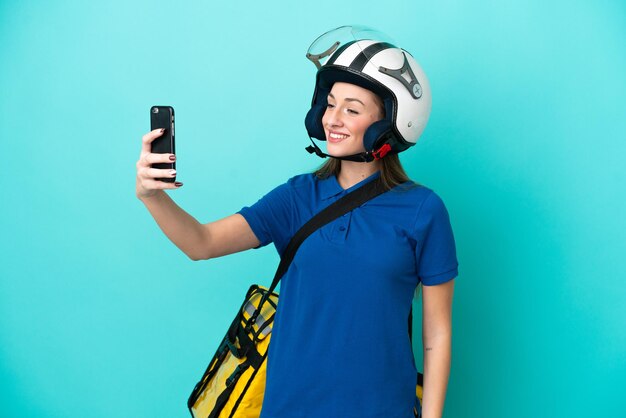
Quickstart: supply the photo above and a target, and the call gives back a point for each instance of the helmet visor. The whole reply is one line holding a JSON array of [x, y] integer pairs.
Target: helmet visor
[[323, 48]]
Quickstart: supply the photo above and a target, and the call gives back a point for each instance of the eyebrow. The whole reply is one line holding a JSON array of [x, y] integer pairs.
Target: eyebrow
[[348, 99]]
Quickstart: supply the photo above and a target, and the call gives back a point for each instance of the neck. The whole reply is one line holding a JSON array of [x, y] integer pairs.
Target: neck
[[352, 172]]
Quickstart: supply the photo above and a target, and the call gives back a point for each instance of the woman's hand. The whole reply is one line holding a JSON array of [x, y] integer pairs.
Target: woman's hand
[[147, 185]]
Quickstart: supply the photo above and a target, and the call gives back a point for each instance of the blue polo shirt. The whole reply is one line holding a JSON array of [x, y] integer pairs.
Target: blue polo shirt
[[340, 346]]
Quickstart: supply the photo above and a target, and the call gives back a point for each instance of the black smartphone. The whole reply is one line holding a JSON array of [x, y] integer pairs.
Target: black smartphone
[[163, 117]]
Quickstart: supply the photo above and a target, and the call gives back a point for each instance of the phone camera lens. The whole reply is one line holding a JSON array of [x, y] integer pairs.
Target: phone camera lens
[[155, 110]]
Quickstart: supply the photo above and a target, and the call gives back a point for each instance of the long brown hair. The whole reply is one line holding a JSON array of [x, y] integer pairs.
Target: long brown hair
[[391, 171]]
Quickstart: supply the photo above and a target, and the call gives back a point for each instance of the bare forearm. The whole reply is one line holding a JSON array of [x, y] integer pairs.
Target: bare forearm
[[437, 354], [180, 227]]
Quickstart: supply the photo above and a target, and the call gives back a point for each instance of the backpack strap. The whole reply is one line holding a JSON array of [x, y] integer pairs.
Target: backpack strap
[[344, 205]]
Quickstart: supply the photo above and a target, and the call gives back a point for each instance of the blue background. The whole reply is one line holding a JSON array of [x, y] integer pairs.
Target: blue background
[[101, 316]]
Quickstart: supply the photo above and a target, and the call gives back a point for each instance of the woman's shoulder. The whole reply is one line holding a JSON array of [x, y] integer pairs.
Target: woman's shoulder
[[411, 190], [299, 184], [431, 204], [423, 199], [296, 181], [302, 179]]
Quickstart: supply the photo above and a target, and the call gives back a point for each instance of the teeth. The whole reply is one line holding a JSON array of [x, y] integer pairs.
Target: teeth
[[337, 136]]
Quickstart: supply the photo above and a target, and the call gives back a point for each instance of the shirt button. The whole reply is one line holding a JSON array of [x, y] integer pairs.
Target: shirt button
[[342, 228]]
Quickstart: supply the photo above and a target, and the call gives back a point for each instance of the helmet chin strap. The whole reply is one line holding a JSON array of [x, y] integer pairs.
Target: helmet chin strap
[[362, 157]]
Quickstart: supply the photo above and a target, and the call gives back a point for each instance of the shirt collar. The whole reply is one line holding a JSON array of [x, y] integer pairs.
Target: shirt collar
[[330, 187]]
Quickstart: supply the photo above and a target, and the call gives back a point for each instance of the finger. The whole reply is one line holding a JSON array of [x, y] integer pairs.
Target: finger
[[155, 173], [153, 158], [147, 139], [160, 185]]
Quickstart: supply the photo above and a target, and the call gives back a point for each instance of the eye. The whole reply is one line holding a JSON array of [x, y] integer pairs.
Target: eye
[[330, 105], [354, 112]]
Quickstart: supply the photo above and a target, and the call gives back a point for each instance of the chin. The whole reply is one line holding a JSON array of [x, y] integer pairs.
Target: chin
[[335, 152], [342, 149]]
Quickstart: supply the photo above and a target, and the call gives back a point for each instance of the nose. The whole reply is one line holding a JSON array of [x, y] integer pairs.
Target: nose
[[332, 117]]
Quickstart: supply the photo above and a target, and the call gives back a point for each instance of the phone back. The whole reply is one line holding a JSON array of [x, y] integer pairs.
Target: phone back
[[163, 117]]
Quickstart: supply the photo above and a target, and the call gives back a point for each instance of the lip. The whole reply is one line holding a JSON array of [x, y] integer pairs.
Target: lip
[[334, 140]]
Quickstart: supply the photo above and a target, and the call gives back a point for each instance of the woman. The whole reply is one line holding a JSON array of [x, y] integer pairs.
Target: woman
[[340, 346]]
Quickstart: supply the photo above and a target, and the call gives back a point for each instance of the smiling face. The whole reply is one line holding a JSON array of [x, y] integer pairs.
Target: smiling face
[[351, 110]]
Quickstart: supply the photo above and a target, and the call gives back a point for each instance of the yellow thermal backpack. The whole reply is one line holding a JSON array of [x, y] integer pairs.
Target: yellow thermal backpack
[[234, 383]]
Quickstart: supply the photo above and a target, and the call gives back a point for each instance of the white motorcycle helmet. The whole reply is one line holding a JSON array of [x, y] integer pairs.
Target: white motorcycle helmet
[[369, 59]]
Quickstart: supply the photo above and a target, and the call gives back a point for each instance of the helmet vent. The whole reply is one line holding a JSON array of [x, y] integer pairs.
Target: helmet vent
[[406, 76]]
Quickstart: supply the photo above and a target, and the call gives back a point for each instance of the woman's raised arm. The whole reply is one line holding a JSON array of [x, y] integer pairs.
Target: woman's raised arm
[[199, 241]]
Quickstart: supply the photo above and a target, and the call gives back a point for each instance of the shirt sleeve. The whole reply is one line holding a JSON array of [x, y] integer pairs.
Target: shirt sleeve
[[269, 217], [436, 250]]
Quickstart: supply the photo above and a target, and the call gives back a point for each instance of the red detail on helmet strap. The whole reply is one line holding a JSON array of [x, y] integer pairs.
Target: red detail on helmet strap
[[381, 152]]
